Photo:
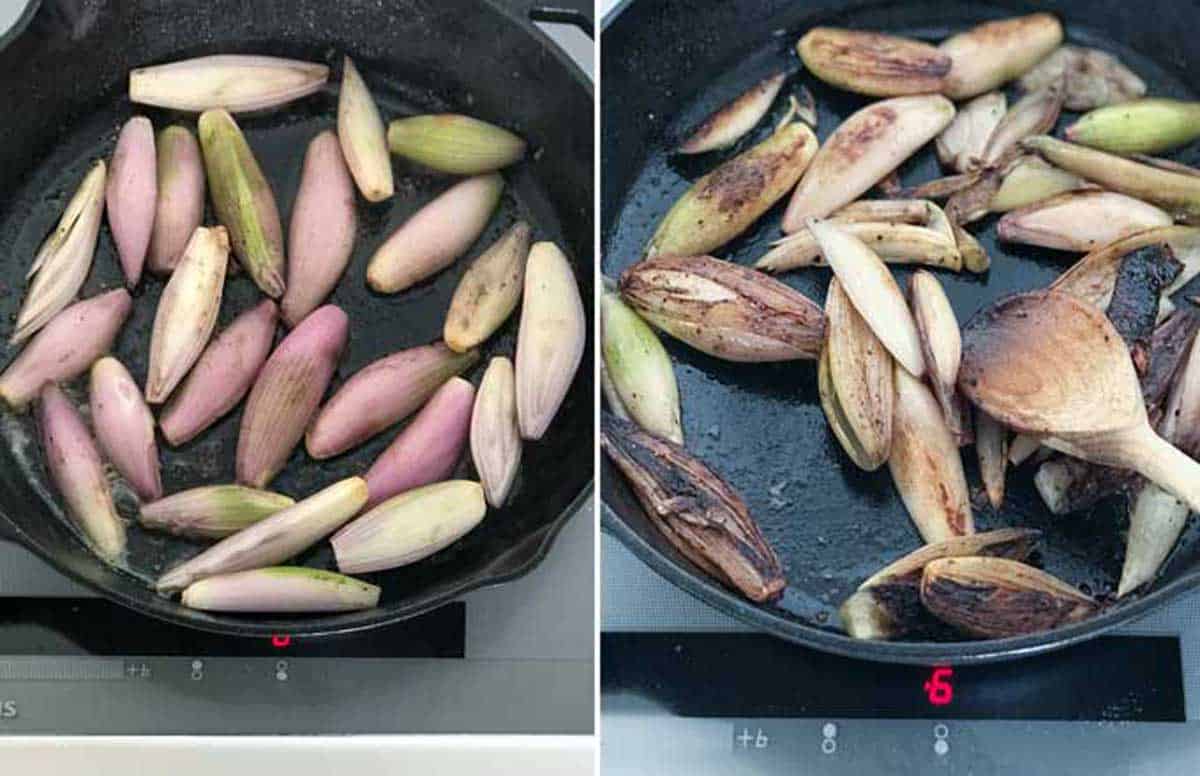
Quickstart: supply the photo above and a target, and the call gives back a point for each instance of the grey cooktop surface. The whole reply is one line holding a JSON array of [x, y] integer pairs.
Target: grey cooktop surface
[[513, 659], [828, 718], [510, 659]]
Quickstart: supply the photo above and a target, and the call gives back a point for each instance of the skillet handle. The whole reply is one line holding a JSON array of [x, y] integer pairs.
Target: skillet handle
[[579, 13], [608, 519], [10, 32]]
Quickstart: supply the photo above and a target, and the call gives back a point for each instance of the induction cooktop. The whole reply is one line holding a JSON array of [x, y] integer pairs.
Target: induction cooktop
[[72, 663], [686, 689]]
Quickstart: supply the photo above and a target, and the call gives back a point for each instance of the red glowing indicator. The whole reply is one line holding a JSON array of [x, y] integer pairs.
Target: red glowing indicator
[[279, 642], [938, 689]]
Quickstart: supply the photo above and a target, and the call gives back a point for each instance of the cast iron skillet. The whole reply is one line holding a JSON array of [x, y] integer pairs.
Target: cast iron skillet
[[667, 64], [63, 86]]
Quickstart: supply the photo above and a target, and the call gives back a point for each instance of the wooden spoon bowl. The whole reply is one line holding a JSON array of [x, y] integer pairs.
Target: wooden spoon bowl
[[1050, 364]]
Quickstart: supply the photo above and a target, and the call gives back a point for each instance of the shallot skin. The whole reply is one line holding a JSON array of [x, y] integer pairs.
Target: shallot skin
[[429, 448], [180, 206], [236, 82], [273, 539], [222, 375], [286, 394], [65, 258], [409, 527], [281, 589], [78, 473], [187, 311], [551, 338], [125, 427], [67, 346], [436, 235], [131, 195], [321, 231], [363, 136], [495, 435], [382, 393]]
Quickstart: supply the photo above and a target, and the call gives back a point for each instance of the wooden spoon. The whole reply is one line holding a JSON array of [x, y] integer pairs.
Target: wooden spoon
[[1048, 363]]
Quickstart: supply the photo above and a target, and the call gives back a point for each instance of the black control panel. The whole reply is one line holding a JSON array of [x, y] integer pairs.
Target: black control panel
[[739, 675]]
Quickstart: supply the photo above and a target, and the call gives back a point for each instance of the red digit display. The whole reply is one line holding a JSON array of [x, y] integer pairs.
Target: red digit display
[[938, 688], [280, 641]]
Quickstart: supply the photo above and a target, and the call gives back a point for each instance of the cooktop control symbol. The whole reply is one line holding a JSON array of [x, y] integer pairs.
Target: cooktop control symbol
[[137, 670], [197, 670], [941, 739], [281, 670], [829, 738], [755, 740]]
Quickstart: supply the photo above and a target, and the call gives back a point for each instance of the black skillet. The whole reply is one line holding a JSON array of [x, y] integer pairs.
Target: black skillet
[[63, 88], [665, 65]]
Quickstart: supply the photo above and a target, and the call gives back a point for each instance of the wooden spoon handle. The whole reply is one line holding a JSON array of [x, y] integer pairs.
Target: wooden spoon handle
[[1164, 465]]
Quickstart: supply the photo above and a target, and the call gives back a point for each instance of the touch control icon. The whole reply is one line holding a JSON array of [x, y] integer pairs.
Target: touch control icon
[[941, 739], [829, 738], [756, 740]]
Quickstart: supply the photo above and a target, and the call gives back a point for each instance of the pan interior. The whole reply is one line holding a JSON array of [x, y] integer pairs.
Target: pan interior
[[760, 425], [554, 470]]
